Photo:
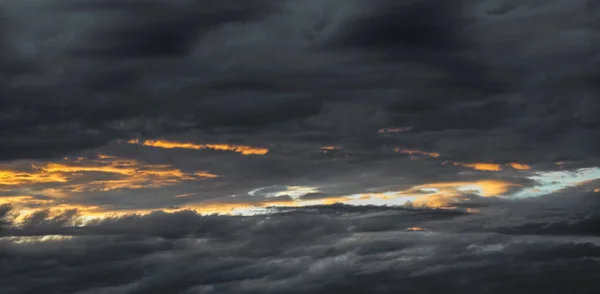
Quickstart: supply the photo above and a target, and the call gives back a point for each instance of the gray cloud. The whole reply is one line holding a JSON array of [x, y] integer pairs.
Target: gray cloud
[[475, 81], [458, 73], [350, 249]]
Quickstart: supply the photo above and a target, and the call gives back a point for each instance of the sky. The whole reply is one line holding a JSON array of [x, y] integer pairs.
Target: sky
[[299, 146]]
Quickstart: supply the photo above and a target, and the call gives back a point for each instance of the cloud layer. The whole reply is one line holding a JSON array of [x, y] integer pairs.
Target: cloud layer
[[326, 249], [348, 146]]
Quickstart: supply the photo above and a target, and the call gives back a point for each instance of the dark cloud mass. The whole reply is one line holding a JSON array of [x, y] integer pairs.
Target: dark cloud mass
[[349, 251], [299, 146], [450, 68]]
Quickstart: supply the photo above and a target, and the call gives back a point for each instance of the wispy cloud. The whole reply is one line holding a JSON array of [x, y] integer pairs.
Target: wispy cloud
[[165, 144], [483, 166], [78, 175], [417, 152], [394, 130], [487, 166], [553, 181], [520, 166], [9, 178]]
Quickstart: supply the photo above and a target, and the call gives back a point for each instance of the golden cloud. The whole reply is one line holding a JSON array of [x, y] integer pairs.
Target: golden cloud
[[485, 188], [91, 212], [483, 166], [436, 195], [24, 200], [417, 152], [245, 150], [73, 175], [415, 229], [16, 178], [520, 166]]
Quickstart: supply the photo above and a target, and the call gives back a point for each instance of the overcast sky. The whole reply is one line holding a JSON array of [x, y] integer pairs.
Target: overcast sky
[[299, 146]]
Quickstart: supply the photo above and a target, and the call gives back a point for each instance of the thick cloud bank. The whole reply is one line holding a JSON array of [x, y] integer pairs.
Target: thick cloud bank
[[461, 73], [325, 249]]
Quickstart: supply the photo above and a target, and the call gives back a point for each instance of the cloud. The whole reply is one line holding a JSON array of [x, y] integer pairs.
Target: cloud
[[245, 150], [218, 74], [553, 181], [504, 89], [484, 166], [417, 152], [101, 173], [313, 252], [409, 27], [520, 166], [172, 34]]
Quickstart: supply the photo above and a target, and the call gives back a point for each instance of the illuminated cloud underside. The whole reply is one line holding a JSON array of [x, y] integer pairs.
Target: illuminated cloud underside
[[441, 194], [73, 176], [482, 166], [437, 195], [294, 192], [417, 152], [245, 150], [520, 166], [430, 195], [101, 174]]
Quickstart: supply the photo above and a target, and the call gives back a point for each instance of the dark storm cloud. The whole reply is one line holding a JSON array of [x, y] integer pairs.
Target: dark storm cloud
[[466, 76], [153, 29], [570, 212], [589, 225], [531, 98], [88, 97], [406, 27], [355, 250]]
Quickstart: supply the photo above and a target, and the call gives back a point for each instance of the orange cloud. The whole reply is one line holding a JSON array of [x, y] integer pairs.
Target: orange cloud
[[16, 178], [597, 190], [437, 195], [443, 193], [417, 152], [23, 200], [489, 187], [91, 212], [327, 149], [245, 150], [433, 194], [493, 166], [118, 173], [482, 166], [520, 166], [415, 229]]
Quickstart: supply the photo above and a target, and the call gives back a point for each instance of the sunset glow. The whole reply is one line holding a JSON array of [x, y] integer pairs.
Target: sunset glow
[[417, 152], [245, 150]]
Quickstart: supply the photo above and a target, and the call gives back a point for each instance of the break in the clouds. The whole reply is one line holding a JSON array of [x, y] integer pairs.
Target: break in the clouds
[[344, 145]]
